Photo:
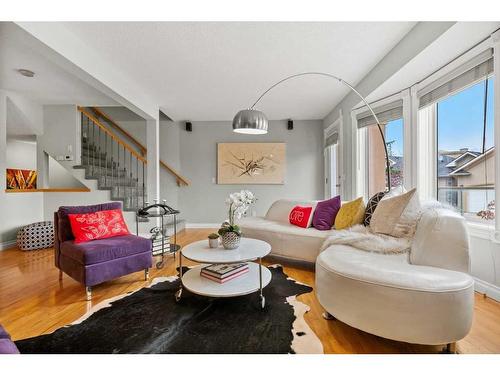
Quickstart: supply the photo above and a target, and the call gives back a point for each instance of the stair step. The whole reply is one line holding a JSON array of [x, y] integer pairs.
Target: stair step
[[94, 172], [108, 182], [90, 161]]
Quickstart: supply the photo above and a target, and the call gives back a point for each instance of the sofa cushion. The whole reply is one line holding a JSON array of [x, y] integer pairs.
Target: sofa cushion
[[63, 225], [397, 216], [301, 216], [350, 213], [99, 251], [280, 209], [371, 206], [325, 213], [98, 225], [390, 270]]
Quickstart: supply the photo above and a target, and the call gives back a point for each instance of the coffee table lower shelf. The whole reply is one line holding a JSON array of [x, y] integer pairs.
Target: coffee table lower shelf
[[243, 285]]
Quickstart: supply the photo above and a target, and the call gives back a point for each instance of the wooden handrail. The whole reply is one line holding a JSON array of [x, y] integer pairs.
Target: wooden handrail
[[180, 179], [100, 113], [113, 136]]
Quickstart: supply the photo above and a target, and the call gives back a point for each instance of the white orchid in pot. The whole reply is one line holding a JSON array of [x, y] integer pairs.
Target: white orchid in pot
[[238, 204]]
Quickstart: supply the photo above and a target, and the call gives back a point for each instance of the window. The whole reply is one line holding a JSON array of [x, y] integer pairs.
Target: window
[[465, 151], [376, 163], [373, 163]]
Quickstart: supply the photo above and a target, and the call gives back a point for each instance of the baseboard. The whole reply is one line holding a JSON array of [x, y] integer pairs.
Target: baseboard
[[7, 244], [202, 225], [492, 291]]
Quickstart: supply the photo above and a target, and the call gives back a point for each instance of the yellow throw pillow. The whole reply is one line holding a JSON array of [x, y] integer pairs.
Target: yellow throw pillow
[[351, 213]]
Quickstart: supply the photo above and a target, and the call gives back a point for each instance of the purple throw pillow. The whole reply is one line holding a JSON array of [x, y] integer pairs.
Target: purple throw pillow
[[325, 213]]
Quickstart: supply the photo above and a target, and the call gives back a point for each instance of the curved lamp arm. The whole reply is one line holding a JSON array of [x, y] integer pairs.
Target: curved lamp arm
[[387, 162]]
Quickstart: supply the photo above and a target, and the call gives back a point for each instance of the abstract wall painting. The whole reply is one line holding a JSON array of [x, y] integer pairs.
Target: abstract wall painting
[[21, 179], [251, 163]]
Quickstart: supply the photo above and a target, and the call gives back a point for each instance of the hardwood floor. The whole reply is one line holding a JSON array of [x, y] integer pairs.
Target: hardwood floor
[[33, 301]]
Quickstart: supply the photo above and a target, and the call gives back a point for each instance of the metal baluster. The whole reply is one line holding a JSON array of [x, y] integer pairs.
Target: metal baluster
[[93, 149], [137, 178], [130, 174], [106, 159], [112, 162], [118, 169], [99, 156], [143, 186]]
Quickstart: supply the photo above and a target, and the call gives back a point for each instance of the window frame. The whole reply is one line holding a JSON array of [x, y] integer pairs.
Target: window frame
[[360, 142]]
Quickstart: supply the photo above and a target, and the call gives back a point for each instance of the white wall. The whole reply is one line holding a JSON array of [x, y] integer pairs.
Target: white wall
[[21, 154], [16, 209], [61, 136], [203, 200], [61, 178]]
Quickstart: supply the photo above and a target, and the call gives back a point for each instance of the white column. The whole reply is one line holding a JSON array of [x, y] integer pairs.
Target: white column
[[407, 140], [3, 141], [153, 157], [496, 110]]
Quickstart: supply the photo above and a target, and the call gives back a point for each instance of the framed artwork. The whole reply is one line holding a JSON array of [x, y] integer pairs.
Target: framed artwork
[[21, 179], [251, 163]]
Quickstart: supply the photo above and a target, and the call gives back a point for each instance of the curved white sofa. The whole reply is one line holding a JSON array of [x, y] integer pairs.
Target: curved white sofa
[[425, 297]]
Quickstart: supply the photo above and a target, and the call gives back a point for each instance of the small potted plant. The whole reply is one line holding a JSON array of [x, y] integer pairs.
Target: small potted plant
[[238, 205], [213, 240]]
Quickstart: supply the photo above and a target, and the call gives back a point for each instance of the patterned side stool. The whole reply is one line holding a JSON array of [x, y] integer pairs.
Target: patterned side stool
[[36, 236]]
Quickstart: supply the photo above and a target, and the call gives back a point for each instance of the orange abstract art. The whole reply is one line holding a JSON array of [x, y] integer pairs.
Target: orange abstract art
[[21, 179]]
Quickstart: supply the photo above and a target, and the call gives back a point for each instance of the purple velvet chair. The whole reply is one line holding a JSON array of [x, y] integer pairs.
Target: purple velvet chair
[[6, 344], [94, 262]]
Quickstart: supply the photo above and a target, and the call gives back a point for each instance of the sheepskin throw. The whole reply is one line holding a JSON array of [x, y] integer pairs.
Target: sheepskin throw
[[361, 237]]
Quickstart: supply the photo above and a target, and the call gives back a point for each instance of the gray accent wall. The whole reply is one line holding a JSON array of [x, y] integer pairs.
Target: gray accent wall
[[203, 200]]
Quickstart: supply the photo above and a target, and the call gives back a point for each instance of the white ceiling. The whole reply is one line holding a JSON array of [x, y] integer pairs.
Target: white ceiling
[[209, 71], [51, 84], [451, 44]]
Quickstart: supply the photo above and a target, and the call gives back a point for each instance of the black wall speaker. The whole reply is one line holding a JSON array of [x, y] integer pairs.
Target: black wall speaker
[[189, 127], [290, 125]]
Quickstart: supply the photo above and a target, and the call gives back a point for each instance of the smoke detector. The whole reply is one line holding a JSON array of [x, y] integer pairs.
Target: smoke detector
[[26, 72]]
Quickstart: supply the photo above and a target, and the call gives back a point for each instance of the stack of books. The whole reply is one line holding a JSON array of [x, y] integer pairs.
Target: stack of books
[[222, 273]]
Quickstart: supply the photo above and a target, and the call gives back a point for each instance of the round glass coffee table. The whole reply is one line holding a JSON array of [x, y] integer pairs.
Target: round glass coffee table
[[250, 250]]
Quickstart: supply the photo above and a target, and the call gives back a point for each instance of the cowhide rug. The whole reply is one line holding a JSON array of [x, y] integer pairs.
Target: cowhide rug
[[150, 321]]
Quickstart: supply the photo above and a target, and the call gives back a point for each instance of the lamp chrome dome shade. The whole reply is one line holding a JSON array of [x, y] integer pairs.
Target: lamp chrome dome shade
[[250, 121]]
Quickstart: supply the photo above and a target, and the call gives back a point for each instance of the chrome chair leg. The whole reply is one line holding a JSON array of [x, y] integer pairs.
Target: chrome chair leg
[[88, 290], [146, 274]]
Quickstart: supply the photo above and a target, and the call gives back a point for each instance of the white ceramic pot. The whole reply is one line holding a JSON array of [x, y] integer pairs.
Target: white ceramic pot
[[213, 243]]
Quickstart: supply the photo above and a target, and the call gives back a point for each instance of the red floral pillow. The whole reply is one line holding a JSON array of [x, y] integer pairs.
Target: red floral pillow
[[301, 216], [97, 225]]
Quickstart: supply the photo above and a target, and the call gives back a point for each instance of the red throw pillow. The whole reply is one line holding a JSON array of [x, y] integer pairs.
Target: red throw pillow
[[97, 225], [301, 216]]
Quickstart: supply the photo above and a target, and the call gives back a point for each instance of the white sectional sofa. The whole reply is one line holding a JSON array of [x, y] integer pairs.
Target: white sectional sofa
[[424, 297]]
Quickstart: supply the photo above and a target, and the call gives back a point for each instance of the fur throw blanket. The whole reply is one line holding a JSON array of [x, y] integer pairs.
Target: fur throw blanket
[[362, 238]]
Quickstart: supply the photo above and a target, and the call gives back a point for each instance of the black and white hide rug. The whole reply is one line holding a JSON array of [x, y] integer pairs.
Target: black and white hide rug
[[151, 321]]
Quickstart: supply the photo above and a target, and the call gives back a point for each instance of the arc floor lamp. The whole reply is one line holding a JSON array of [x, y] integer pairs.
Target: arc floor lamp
[[252, 121]]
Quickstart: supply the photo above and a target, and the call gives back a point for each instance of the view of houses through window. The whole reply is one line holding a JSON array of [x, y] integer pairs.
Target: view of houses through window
[[393, 132], [465, 158]]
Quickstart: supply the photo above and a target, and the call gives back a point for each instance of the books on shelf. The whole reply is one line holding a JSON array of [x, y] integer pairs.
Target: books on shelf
[[222, 273]]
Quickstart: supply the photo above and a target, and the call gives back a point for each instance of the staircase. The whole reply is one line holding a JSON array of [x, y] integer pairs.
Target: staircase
[[116, 166]]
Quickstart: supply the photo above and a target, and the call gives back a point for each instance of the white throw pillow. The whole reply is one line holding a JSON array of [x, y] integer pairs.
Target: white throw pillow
[[397, 216]]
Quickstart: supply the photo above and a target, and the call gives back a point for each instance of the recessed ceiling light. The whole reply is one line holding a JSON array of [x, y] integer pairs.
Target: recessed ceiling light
[[26, 72]]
